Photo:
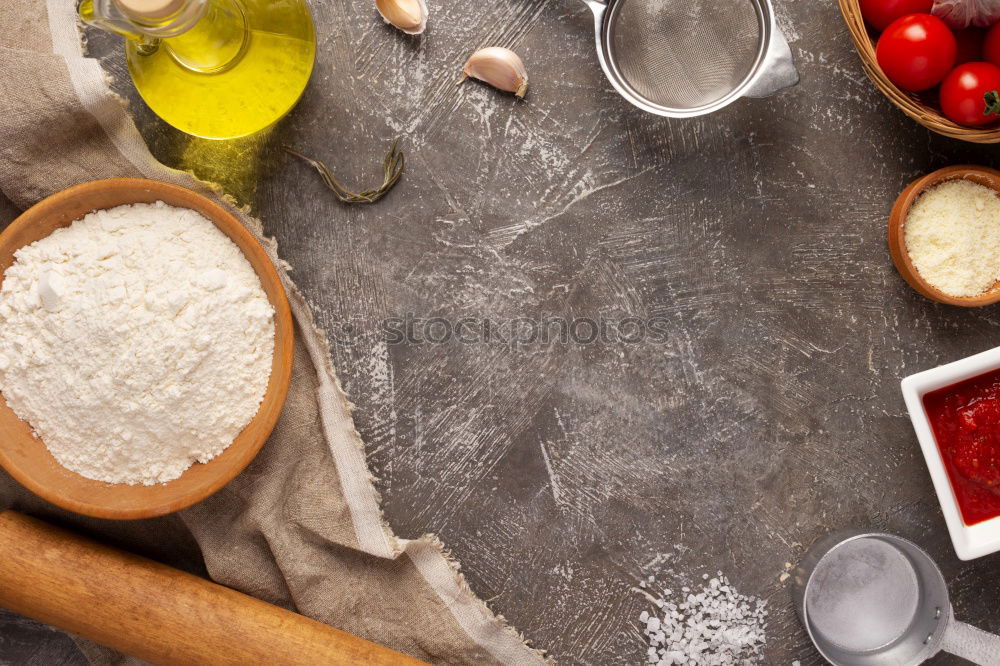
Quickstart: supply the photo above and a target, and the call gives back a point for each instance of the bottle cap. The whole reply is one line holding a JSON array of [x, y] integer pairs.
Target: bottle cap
[[150, 9]]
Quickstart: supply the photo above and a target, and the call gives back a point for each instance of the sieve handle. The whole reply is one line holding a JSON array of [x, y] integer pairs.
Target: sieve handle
[[778, 70], [598, 7], [978, 646]]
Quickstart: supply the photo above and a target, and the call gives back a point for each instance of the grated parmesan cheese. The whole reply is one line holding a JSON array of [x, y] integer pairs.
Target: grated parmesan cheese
[[952, 235]]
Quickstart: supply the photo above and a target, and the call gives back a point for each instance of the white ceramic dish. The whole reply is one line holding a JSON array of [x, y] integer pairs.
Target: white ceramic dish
[[970, 541]]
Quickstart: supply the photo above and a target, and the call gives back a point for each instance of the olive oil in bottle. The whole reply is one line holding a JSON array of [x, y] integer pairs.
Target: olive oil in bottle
[[216, 69]]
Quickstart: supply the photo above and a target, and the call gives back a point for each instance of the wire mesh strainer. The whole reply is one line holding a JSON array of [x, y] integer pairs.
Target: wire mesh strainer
[[875, 599], [685, 58]]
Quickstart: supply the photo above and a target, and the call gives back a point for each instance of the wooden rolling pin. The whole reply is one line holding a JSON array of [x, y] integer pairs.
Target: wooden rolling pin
[[156, 612]]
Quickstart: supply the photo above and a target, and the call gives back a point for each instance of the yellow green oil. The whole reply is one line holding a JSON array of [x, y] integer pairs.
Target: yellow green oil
[[240, 69]]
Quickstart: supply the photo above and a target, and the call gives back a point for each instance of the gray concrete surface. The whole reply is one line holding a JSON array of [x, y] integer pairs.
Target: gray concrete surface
[[562, 474]]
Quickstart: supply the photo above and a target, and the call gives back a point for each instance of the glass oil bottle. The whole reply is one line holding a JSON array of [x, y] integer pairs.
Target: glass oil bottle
[[216, 69]]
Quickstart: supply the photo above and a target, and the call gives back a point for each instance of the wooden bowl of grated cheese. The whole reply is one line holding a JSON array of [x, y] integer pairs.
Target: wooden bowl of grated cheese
[[27, 458], [954, 263]]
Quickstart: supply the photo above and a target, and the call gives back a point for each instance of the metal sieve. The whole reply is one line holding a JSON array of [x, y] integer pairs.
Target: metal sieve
[[874, 599], [686, 58]]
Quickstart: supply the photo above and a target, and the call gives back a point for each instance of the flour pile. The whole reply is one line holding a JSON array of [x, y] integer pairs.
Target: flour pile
[[136, 341], [713, 626]]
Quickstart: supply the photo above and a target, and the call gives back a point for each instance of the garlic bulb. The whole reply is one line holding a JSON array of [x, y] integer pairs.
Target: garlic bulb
[[499, 67], [410, 16]]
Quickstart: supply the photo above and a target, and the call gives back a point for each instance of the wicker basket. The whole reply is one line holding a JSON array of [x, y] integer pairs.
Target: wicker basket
[[918, 107]]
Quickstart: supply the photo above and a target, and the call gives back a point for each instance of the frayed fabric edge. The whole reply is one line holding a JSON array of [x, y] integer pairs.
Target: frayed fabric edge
[[439, 568], [489, 629]]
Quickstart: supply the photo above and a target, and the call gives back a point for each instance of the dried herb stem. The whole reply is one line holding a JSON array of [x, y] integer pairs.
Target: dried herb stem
[[392, 170]]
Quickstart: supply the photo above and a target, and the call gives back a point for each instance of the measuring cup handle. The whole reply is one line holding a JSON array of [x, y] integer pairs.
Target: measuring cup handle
[[778, 71], [965, 641]]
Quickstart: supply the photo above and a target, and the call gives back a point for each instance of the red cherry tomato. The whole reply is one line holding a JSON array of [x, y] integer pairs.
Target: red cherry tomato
[[991, 45], [963, 90], [916, 51], [970, 45], [880, 13]]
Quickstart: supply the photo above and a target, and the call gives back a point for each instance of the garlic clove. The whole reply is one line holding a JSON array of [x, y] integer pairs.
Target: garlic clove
[[410, 16], [499, 67]]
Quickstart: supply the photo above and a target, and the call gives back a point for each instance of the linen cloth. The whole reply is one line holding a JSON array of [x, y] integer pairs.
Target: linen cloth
[[302, 526]]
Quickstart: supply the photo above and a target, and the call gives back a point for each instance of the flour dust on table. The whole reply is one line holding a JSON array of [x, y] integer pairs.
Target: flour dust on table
[[135, 342]]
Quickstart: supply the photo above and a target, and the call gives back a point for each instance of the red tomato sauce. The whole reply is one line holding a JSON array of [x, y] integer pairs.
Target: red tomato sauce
[[965, 418]]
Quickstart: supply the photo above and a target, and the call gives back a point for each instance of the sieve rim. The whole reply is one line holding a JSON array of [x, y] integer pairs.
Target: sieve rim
[[918, 558], [766, 22]]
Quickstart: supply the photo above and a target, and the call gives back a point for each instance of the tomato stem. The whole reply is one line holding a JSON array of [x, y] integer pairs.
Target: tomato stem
[[992, 100]]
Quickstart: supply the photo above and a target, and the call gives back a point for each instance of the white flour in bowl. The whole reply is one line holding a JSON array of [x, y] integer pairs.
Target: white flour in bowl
[[136, 341]]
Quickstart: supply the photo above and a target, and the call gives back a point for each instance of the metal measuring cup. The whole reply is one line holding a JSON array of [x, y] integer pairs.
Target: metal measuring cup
[[873, 599], [686, 58]]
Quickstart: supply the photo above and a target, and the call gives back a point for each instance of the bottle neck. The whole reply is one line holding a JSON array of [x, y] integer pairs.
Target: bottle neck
[[163, 19], [202, 35], [137, 19]]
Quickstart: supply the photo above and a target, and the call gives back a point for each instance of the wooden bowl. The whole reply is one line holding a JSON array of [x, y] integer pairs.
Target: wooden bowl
[[26, 457], [897, 232], [918, 106]]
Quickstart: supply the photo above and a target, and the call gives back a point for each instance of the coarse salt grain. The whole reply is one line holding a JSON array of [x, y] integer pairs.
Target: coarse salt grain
[[952, 234], [713, 626]]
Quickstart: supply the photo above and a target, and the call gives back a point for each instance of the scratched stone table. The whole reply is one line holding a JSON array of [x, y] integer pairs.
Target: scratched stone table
[[560, 474]]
